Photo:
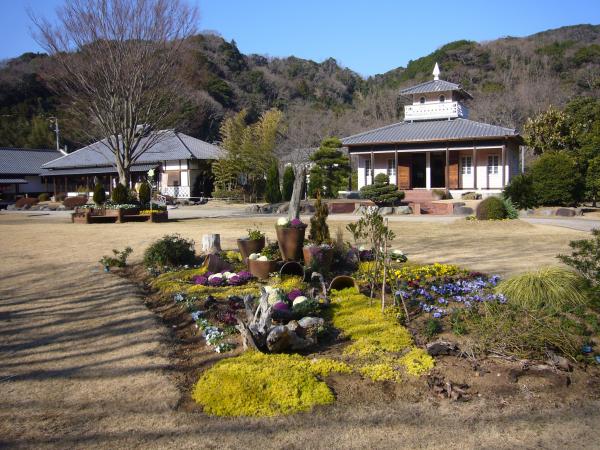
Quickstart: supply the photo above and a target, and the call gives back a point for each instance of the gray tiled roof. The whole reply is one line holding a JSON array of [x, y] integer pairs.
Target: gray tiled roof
[[434, 86], [22, 161], [429, 130], [172, 145], [96, 170]]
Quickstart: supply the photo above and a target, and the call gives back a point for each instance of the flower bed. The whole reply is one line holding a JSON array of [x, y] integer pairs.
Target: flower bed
[[224, 278]]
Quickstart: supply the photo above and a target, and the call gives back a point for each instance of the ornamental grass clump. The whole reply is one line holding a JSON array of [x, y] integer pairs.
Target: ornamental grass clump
[[258, 384], [550, 288]]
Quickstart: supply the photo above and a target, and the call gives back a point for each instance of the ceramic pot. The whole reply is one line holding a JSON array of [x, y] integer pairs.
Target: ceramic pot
[[291, 241], [324, 258], [342, 282], [261, 269], [249, 246]]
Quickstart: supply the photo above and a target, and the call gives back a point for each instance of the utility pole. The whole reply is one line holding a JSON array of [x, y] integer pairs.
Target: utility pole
[[57, 133]]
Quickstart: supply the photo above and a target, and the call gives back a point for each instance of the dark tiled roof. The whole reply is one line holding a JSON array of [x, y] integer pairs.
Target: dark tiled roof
[[171, 145], [23, 161], [429, 130], [13, 181], [435, 86], [95, 170]]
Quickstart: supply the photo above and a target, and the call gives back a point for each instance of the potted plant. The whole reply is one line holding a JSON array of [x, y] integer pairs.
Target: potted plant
[[290, 236], [319, 253], [253, 243], [261, 266]]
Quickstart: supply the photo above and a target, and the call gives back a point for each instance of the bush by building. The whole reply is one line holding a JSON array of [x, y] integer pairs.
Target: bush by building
[[492, 208], [381, 192]]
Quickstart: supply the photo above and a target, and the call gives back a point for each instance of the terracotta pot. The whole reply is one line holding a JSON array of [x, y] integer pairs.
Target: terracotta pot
[[342, 282], [261, 269], [292, 268], [291, 240], [249, 246], [325, 259]]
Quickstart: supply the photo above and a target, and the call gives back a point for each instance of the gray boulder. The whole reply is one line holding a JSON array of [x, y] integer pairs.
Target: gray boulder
[[283, 209], [463, 211], [386, 210], [403, 209], [253, 209], [565, 212]]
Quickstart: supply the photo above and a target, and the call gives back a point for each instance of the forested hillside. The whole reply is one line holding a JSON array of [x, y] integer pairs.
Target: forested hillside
[[510, 78]]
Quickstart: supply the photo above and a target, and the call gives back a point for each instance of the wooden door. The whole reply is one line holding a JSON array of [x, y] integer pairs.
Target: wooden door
[[404, 166], [453, 171]]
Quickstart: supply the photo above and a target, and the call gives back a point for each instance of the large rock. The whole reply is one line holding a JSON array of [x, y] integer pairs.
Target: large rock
[[403, 209], [442, 348], [463, 211], [266, 209], [253, 209], [565, 212], [386, 210], [283, 209], [11, 207], [282, 337]]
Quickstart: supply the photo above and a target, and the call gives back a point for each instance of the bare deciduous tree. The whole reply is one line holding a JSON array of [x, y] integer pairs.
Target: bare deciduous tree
[[116, 61]]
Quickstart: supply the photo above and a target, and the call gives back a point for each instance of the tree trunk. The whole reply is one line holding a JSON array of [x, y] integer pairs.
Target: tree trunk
[[294, 209], [123, 174], [211, 243]]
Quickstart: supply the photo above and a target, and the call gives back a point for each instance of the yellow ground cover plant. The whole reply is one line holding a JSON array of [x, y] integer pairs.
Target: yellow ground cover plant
[[258, 384]]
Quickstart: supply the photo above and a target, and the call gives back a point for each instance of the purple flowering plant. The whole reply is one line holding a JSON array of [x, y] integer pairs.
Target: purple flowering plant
[[238, 279], [437, 295]]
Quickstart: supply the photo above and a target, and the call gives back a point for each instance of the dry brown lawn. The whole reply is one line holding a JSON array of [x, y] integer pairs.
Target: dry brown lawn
[[84, 364]]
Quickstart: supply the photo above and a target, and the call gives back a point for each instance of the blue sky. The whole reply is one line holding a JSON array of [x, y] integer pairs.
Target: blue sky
[[369, 37]]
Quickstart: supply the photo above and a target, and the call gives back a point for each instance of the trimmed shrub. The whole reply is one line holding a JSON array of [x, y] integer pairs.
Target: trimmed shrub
[[492, 208], [144, 193], [43, 197], [272, 191], [26, 202], [551, 288], [381, 192], [73, 202], [288, 183], [556, 180], [170, 251], [521, 191], [60, 197], [99, 194], [120, 194]]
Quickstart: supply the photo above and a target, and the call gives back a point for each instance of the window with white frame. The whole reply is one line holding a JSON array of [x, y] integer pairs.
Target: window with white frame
[[466, 165], [367, 170], [391, 170], [493, 162]]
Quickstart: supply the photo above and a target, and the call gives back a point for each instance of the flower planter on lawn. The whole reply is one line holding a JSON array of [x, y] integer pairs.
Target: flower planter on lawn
[[291, 241], [261, 269], [318, 257], [249, 246]]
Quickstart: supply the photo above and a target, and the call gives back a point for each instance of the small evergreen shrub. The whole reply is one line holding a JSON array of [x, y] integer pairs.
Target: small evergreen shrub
[[432, 327], [492, 208], [381, 192], [511, 211], [170, 251], [521, 191], [119, 258], [319, 230], [272, 191], [288, 183], [556, 180], [585, 258], [74, 202], [99, 194], [120, 194], [43, 197], [144, 193], [60, 197]]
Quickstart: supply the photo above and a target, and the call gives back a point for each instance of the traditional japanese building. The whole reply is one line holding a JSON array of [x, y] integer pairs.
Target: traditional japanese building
[[437, 146]]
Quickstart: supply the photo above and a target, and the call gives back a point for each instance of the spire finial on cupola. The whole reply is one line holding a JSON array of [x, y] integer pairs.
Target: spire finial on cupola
[[436, 72]]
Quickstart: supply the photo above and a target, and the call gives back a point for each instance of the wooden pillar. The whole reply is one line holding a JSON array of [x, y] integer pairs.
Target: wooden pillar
[[372, 167], [396, 165], [474, 164], [66, 185], [503, 171], [54, 185], [447, 172]]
